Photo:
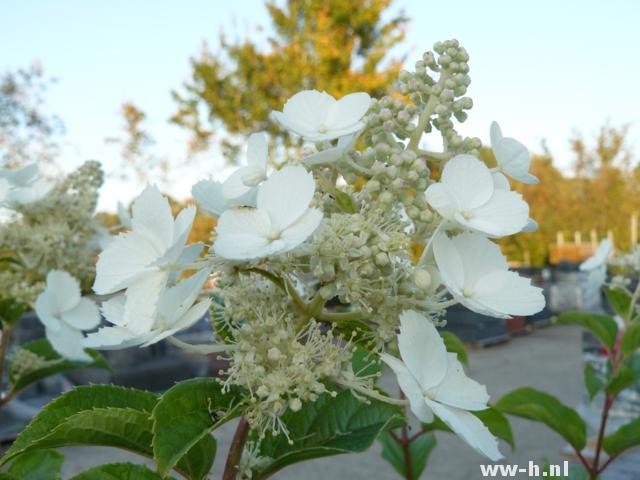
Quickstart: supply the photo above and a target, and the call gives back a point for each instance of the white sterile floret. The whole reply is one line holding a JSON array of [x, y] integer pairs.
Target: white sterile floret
[[512, 156], [281, 221], [65, 313], [434, 382], [596, 265], [24, 185], [477, 275], [332, 154], [174, 311], [466, 195], [317, 116], [241, 187], [141, 260], [501, 182]]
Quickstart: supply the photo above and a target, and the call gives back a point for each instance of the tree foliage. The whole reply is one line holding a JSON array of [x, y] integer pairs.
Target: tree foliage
[[331, 45]]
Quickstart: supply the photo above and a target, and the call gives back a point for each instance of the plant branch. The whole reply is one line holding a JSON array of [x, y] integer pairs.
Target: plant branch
[[4, 346], [414, 141], [406, 453], [235, 451], [608, 401]]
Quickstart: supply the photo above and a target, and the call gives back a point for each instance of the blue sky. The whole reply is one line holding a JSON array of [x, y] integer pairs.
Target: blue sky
[[542, 69]]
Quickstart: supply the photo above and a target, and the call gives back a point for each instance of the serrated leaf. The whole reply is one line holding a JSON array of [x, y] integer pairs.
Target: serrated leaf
[[592, 381], [631, 339], [602, 326], [455, 345], [101, 415], [541, 407], [619, 301], [493, 419], [328, 426], [53, 364], [184, 418], [626, 437], [38, 465], [419, 451], [119, 471]]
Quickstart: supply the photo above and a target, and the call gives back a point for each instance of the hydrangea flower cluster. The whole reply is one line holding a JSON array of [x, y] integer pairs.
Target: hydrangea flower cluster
[[47, 225], [368, 235]]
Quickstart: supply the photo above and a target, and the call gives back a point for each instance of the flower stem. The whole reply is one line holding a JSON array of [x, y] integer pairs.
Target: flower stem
[[202, 349], [414, 141], [406, 453], [4, 346], [608, 401], [373, 394], [231, 467]]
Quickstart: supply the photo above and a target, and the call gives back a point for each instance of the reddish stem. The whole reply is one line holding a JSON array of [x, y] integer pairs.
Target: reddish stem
[[236, 449]]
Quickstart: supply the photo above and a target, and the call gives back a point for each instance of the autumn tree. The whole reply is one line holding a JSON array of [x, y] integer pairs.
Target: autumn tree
[[329, 45], [28, 132]]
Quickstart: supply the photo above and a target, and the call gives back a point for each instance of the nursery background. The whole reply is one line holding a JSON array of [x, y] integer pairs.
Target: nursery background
[[166, 93]]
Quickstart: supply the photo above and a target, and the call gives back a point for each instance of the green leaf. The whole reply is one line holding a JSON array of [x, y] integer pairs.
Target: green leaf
[[542, 407], [631, 339], [8, 476], [221, 325], [48, 362], [592, 381], [419, 451], [620, 301], [184, 418], [11, 311], [357, 330], [455, 345], [576, 472], [623, 379], [38, 465], [100, 415], [346, 203], [366, 364], [626, 437], [328, 426], [493, 419], [602, 326], [119, 471]]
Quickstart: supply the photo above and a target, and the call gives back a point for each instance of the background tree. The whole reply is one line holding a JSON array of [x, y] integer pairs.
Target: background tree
[[330, 45], [28, 133]]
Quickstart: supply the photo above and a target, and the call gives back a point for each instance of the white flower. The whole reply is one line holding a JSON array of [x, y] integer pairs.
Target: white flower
[[65, 313], [246, 179], [434, 382], [332, 154], [476, 274], [596, 265], [24, 185], [174, 311], [501, 182], [317, 116], [466, 195], [512, 156], [241, 187], [142, 259], [281, 221]]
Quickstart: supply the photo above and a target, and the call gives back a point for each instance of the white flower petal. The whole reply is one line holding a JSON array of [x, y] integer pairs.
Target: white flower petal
[[468, 427], [84, 316], [531, 226], [286, 195], [141, 299], [47, 311], [505, 213], [258, 150], [496, 134], [305, 112], [468, 180], [449, 263], [176, 300], [458, 390], [69, 343], [114, 338], [410, 387], [209, 195], [64, 288], [235, 186], [242, 234], [599, 258], [422, 349], [113, 310], [302, 229], [347, 112], [442, 200], [152, 218], [508, 293], [500, 182]]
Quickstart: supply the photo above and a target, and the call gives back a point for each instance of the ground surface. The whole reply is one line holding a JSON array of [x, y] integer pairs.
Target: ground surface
[[548, 359]]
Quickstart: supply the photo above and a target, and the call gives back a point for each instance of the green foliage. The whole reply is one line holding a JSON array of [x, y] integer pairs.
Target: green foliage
[[576, 472], [624, 378], [602, 326], [627, 436], [120, 471], [631, 339], [11, 311], [38, 465], [455, 345], [619, 301], [49, 363], [331, 45], [99, 415], [365, 364], [491, 417], [592, 381], [328, 426], [542, 407], [184, 418], [419, 451]]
